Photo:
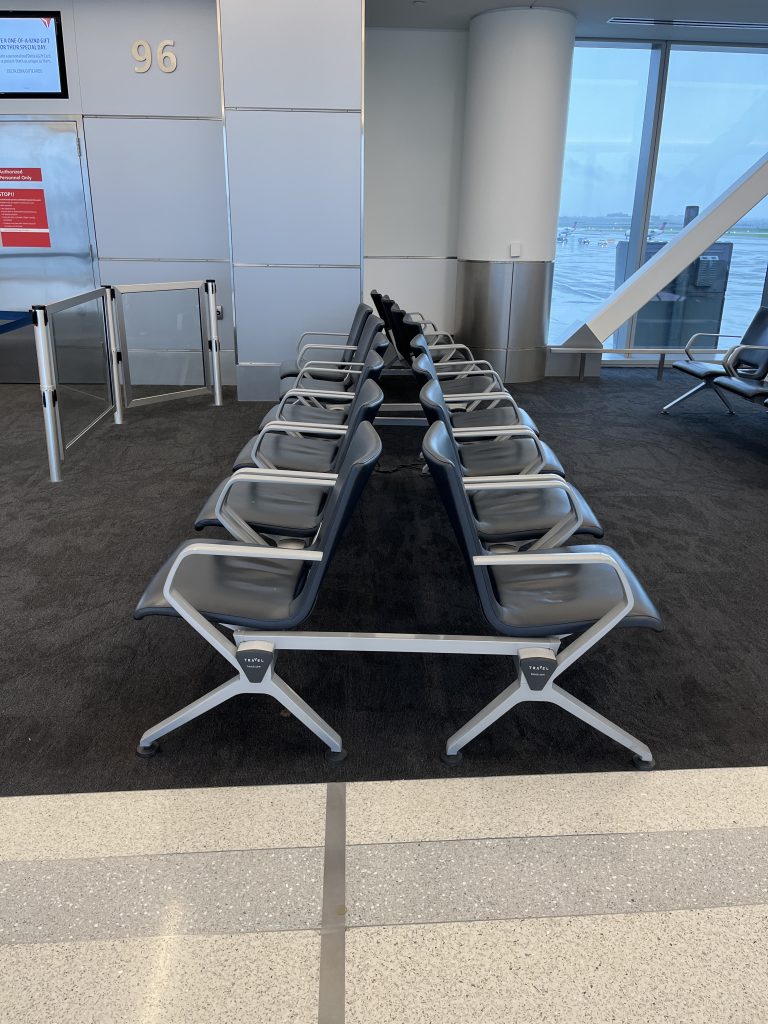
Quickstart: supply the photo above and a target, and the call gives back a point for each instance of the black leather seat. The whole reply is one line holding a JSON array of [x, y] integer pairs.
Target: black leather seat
[[321, 407], [752, 390], [291, 367], [488, 457], [310, 452], [748, 364], [284, 510], [515, 516], [256, 592], [533, 600], [506, 413], [344, 378]]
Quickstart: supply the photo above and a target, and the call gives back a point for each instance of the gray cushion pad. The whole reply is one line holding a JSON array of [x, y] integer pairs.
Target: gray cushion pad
[[523, 515], [310, 454], [506, 456], [751, 389], [254, 593], [702, 371], [501, 416], [568, 598], [288, 510], [297, 412]]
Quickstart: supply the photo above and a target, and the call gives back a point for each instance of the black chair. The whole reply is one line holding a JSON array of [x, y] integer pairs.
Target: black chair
[[218, 585], [306, 405], [322, 350], [489, 409], [338, 376], [523, 510], [746, 362], [490, 451], [275, 502], [577, 595], [307, 446]]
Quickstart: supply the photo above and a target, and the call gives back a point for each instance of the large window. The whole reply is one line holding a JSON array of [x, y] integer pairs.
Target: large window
[[712, 126], [605, 124]]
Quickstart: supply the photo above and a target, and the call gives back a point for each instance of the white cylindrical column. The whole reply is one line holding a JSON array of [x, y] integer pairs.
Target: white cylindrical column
[[518, 83]]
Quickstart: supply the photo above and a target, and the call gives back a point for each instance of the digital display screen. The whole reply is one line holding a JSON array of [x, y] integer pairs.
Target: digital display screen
[[32, 55]]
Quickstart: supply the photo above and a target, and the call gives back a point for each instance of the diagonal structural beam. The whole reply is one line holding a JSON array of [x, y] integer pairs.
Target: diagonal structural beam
[[671, 259]]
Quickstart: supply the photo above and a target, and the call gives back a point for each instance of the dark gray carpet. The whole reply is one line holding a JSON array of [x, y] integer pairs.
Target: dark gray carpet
[[682, 497]]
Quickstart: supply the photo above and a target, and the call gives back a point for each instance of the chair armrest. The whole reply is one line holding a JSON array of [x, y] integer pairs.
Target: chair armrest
[[291, 428], [315, 398], [603, 625], [233, 522], [322, 334], [705, 334], [318, 346], [306, 371], [733, 353], [486, 396], [559, 532]]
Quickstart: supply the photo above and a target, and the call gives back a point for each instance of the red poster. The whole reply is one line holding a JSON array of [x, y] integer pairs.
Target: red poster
[[23, 218], [21, 174]]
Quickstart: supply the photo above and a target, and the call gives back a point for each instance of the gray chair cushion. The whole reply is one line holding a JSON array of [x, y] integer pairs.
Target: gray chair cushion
[[509, 456], [753, 390], [240, 591], [307, 454], [501, 416], [525, 515], [568, 598], [702, 371], [286, 510], [297, 412]]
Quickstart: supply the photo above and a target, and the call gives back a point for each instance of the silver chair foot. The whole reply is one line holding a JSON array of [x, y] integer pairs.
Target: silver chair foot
[[335, 756], [452, 760], [641, 765], [148, 751]]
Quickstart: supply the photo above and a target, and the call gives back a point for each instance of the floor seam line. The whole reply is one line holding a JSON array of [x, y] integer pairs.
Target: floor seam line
[[555, 917], [331, 986]]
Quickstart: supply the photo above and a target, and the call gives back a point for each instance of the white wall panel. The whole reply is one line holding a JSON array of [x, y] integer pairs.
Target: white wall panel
[[292, 53], [414, 107], [294, 181], [275, 305], [105, 34], [158, 188], [428, 286]]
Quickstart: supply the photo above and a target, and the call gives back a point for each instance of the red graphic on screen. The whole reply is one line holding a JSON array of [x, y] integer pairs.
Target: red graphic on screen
[[24, 218], [47, 22]]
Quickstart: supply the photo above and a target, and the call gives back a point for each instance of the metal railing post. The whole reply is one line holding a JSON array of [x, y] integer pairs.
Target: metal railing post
[[45, 365], [213, 341], [115, 356]]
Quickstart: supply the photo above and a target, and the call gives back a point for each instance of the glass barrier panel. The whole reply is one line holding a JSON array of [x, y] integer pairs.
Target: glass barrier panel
[[163, 338], [78, 337]]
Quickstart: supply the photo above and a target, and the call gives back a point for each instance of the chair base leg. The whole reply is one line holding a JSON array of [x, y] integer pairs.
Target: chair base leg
[[682, 398], [518, 693], [273, 686], [724, 399]]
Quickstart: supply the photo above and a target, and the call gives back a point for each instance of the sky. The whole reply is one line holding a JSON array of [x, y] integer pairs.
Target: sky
[[714, 127]]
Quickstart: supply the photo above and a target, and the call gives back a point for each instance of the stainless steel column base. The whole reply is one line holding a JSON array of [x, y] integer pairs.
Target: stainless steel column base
[[503, 313]]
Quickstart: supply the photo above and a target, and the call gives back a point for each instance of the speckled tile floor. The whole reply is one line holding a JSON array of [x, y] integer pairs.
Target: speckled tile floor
[[573, 898]]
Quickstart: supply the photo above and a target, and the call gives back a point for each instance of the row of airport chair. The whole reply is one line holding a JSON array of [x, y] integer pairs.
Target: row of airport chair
[[743, 372], [295, 484]]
